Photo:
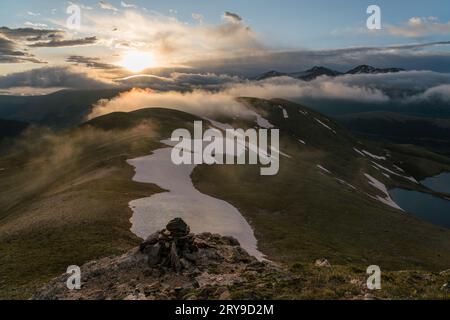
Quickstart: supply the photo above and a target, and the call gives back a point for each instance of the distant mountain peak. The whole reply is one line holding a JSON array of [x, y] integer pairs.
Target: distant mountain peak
[[364, 68], [271, 74], [318, 71]]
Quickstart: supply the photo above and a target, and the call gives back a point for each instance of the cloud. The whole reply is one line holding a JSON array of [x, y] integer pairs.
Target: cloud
[[35, 24], [107, 6], [204, 79], [198, 17], [197, 102], [82, 6], [127, 5], [15, 43], [410, 57], [178, 81], [204, 102], [404, 81], [420, 27], [39, 38], [208, 94], [232, 17], [33, 14], [8, 48], [65, 43], [94, 63], [9, 53], [170, 39], [322, 88], [440, 93], [31, 34], [52, 77]]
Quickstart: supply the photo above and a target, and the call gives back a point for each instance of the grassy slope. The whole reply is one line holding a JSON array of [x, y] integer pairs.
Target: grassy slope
[[303, 214], [431, 133], [65, 196], [65, 200], [60, 109], [343, 282]]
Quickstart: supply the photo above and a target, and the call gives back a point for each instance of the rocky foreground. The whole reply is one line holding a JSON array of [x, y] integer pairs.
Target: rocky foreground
[[171, 264], [176, 264]]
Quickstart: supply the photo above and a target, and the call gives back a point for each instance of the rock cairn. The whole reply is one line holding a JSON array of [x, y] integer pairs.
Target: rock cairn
[[174, 247]]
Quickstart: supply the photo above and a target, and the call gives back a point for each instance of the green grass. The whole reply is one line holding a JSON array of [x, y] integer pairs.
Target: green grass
[[303, 214], [65, 197], [306, 281]]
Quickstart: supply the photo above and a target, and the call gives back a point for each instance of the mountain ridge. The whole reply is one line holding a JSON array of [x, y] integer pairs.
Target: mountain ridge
[[317, 71]]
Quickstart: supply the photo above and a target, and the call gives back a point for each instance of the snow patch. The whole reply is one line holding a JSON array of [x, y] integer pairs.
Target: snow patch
[[359, 152], [285, 114], [202, 212], [303, 112], [324, 125], [412, 179], [346, 183], [380, 186], [220, 125], [373, 155], [324, 169], [252, 147]]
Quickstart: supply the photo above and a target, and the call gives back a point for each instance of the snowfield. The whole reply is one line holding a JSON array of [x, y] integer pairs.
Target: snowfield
[[202, 212]]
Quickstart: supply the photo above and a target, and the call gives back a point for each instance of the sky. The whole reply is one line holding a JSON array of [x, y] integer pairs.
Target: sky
[[119, 39], [290, 23]]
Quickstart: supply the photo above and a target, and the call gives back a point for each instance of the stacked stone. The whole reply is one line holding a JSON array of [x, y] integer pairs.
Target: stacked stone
[[172, 247]]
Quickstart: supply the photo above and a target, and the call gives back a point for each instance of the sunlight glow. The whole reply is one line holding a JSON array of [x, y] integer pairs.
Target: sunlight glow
[[137, 61]]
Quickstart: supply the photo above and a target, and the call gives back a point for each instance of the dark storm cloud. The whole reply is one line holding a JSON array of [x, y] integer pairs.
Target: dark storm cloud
[[9, 53], [410, 57], [90, 62], [232, 16], [8, 47], [14, 43], [49, 77], [30, 34], [65, 43]]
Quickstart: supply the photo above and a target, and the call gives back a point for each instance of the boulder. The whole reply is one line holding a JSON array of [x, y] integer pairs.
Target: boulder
[[322, 263], [178, 228]]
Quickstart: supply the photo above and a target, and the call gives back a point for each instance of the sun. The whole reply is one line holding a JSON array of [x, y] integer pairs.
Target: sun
[[137, 61]]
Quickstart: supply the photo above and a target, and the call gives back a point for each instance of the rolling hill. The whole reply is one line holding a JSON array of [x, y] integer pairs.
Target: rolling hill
[[432, 133], [61, 109], [65, 198]]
